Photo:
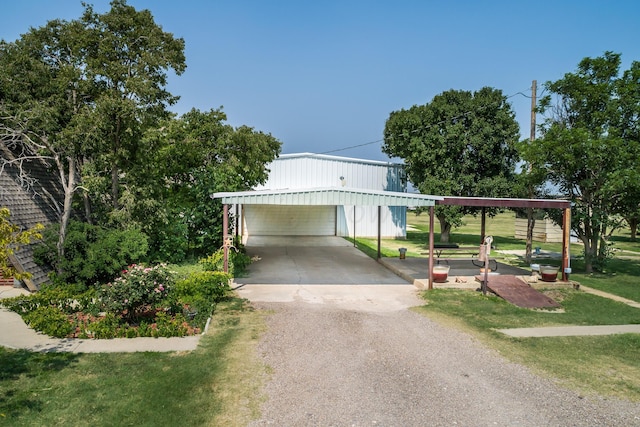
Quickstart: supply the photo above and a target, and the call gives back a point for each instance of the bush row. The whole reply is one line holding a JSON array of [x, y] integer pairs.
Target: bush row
[[143, 301]]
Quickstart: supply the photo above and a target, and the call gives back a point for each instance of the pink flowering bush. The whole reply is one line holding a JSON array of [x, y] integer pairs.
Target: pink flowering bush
[[138, 290]]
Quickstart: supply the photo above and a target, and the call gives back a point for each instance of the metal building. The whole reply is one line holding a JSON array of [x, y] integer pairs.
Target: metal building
[[306, 171]]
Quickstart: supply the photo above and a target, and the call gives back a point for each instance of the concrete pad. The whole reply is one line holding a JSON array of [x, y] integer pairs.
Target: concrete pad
[[11, 291], [568, 331], [296, 241], [333, 263], [366, 298]]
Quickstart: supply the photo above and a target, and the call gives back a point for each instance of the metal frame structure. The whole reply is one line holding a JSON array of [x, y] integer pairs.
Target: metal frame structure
[[347, 196]]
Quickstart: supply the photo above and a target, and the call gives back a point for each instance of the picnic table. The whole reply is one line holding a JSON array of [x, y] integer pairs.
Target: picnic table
[[474, 251]]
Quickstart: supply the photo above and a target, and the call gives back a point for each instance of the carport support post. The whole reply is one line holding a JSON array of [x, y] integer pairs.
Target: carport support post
[[225, 232], [379, 230], [566, 241], [431, 244]]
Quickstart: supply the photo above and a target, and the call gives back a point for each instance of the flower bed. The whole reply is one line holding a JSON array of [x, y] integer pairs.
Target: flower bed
[[142, 302]]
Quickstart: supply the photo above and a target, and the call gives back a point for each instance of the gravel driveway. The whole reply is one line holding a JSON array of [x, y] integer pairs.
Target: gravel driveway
[[340, 366]]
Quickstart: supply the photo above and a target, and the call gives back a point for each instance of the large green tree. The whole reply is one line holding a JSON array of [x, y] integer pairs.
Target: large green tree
[[628, 126], [199, 154], [81, 94], [461, 143], [589, 148], [128, 56], [45, 104]]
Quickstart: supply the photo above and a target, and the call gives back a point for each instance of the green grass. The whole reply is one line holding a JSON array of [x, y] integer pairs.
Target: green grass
[[220, 383], [210, 386], [604, 365]]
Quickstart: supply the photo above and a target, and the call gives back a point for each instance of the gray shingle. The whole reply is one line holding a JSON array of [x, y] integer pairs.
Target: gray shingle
[[31, 203]]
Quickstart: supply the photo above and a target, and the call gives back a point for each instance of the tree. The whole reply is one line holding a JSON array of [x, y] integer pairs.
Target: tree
[[199, 155], [80, 95], [628, 100], [128, 55], [462, 143], [45, 98], [589, 149]]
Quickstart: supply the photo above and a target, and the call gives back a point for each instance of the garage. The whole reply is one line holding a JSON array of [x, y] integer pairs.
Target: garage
[[289, 220]]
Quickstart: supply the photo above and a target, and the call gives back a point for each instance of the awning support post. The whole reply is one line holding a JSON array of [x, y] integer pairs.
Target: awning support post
[[225, 236], [566, 242], [431, 244], [379, 230]]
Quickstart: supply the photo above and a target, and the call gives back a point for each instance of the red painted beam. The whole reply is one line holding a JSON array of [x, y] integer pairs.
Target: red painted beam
[[490, 202]]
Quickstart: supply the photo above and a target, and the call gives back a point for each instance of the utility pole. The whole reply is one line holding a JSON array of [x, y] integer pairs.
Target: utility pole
[[533, 110], [531, 221]]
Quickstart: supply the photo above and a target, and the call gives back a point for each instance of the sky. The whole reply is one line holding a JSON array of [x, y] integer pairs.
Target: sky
[[323, 76]]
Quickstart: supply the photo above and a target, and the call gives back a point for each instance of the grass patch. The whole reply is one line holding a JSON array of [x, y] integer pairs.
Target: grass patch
[[215, 385], [604, 365]]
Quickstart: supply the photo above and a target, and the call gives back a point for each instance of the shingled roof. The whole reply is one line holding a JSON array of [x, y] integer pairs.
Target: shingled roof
[[33, 197]]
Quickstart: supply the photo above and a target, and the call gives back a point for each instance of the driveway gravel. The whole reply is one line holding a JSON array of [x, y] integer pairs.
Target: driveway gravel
[[339, 366]]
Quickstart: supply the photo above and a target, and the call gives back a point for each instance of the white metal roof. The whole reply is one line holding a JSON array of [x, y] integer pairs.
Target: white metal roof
[[338, 158], [332, 196]]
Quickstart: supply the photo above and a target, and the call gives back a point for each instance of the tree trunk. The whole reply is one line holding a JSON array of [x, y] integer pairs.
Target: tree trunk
[[114, 186], [87, 207], [591, 250], [445, 230], [633, 225], [69, 188]]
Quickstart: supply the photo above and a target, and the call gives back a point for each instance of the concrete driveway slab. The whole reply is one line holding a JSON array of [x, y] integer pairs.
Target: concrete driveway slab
[[313, 261], [322, 271], [365, 298]]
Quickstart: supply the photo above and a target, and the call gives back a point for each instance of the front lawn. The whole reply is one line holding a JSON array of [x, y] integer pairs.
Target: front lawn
[[218, 384], [604, 365]]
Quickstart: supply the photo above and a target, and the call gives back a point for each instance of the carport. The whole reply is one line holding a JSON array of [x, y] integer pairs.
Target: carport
[[335, 196]]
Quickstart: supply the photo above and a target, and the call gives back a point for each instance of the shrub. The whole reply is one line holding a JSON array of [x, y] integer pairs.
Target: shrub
[[167, 326], [93, 254], [197, 295], [49, 320], [238, 262], [138, 288], [63, 298], [143, 301], [106, 327]]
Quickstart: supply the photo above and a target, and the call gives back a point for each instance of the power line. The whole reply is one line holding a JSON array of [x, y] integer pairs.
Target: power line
[[352, 146], [424, 127]]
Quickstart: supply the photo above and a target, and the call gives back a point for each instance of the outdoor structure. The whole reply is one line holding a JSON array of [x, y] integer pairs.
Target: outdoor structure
[[335, 196], [33, 196], [284, 208], [486, 202], [306, 171]]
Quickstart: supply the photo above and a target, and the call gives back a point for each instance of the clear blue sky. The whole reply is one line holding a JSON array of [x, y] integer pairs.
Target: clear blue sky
[[324, 75]]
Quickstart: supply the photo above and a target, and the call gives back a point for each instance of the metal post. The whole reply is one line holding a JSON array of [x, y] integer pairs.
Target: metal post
[[379, 230], [225, 232], [483, 247], [431, 244], [483, 225], [566, 242]]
